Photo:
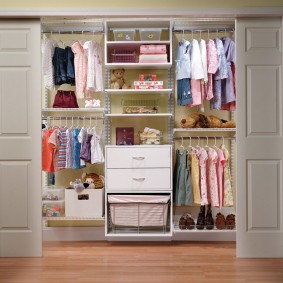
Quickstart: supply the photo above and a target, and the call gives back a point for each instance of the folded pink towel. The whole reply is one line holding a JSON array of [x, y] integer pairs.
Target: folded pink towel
[[153, 58], [153, 49]]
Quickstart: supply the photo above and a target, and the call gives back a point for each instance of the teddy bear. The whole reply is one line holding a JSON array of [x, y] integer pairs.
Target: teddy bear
[[92, 181], [118, 82], [197, 120]]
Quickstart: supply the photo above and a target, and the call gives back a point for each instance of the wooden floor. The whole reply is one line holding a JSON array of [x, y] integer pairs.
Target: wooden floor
[[135, 262]]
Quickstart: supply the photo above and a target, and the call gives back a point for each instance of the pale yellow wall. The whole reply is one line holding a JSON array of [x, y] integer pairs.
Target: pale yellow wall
[[128, 4]]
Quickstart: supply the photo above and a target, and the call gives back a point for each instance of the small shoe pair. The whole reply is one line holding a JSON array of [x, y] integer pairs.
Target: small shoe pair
[[222, 223], [186, 222], [205, 221], [92, 103]]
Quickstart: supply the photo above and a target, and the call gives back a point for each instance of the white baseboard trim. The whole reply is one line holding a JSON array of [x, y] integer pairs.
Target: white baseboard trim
[[97, 234]]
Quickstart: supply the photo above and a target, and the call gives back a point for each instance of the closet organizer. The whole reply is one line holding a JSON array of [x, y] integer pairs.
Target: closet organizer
[[136, 197], [73, 111]]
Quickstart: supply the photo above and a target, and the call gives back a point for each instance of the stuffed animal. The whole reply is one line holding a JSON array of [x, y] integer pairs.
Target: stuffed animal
[[118, 82], [197, 120], [93, 181], [77, 185]]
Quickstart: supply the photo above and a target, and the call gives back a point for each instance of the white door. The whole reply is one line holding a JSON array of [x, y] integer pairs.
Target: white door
[[259, 138], [20, 139]]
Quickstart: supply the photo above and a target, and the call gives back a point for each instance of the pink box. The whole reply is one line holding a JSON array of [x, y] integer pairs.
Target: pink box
[[153, 49]]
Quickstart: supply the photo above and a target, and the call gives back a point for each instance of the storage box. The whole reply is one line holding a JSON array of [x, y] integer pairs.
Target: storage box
[[125, 136], [87, 204], [147, 77], [124, 56], [138, 210], [150, 138], [150, 34], [124, 34], [53, 208], [53, 193], [148, 84]]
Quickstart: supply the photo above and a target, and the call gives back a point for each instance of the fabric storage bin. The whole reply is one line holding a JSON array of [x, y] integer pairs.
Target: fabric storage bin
[[87, 204], [150, 34], [124, 34], [52, 193], [138, 210], [53, 208]]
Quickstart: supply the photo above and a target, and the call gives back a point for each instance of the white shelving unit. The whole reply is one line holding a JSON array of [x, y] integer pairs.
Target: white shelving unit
[[145, 153], [72, 110]]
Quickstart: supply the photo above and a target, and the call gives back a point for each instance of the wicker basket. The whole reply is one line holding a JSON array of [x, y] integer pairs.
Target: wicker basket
[[124, 56]]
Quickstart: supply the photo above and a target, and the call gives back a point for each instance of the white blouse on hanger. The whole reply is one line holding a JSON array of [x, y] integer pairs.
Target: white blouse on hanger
[[48, 48], [94, 66]]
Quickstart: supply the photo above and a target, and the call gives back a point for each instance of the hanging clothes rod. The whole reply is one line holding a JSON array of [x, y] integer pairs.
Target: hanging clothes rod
[[75, 30], [64, 118], [204, 138], [202, 29]]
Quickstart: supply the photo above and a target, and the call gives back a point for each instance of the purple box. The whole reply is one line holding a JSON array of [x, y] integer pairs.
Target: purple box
[[125, 136]]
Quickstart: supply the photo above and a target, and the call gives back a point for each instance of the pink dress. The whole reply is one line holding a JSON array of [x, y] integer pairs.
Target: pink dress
[[212, 66], [221, 161], [202, 156], [213, 196], [80, 62]]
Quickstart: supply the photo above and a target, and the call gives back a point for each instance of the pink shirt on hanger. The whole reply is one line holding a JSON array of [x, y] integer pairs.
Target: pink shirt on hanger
[[80, 62], [221, 161], [213, 196]]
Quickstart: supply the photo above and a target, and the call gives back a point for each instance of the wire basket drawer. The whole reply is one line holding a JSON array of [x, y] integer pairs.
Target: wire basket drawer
[[124, 56]]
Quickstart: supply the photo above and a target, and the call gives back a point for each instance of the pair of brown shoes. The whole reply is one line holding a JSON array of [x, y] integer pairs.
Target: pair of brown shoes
[[186, 222], [205, 221], [222, 223]]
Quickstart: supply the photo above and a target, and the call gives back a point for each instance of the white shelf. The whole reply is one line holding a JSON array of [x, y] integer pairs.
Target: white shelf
[[55, 110], [140, 115], [204, 130], [139, 65], [73, 218], [137, 91]]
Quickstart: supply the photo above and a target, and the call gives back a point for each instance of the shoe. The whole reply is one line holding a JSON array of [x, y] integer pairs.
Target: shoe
[[190, 223], [209, 222], [230, 221], [182, 222], [201, 218], [220, 221]]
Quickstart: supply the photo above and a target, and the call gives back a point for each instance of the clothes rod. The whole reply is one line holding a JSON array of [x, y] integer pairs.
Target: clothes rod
[[208, 30], [203, 138], [73, 31], [64, 118]]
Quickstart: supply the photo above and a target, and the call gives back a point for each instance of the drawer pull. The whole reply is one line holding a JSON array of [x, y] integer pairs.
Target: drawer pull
[[139, 158], [139, 179]]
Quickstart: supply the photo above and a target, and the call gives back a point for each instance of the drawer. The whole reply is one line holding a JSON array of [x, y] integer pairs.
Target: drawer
[[138, 157], [138, 179]]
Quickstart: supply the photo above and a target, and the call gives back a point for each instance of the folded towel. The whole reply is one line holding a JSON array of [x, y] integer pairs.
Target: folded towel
[[153, 58]]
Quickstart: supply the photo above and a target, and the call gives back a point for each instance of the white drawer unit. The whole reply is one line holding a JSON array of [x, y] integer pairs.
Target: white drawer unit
[[135, 170], [138, 156], [138, 179]]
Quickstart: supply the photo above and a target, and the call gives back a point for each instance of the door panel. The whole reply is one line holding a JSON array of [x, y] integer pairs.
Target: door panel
[[20, 139], [259, 137]]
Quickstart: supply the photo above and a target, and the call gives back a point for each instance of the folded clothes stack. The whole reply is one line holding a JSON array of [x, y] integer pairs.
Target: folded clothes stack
[[153, 54]]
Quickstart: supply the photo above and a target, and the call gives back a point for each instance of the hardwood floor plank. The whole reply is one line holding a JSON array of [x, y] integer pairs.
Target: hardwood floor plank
[[138, 262]]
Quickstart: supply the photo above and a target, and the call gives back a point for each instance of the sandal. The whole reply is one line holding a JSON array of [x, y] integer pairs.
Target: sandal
[[190, 223], [182, 222], [230, 221], [220, 221]]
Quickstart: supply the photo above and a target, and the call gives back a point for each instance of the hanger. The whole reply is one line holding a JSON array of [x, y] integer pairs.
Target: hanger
[[78, 122], [60, 40], [192, 34], [215, 146], [198, 145], [181, 147], [207, 146], [223, 144], [208, 34]]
